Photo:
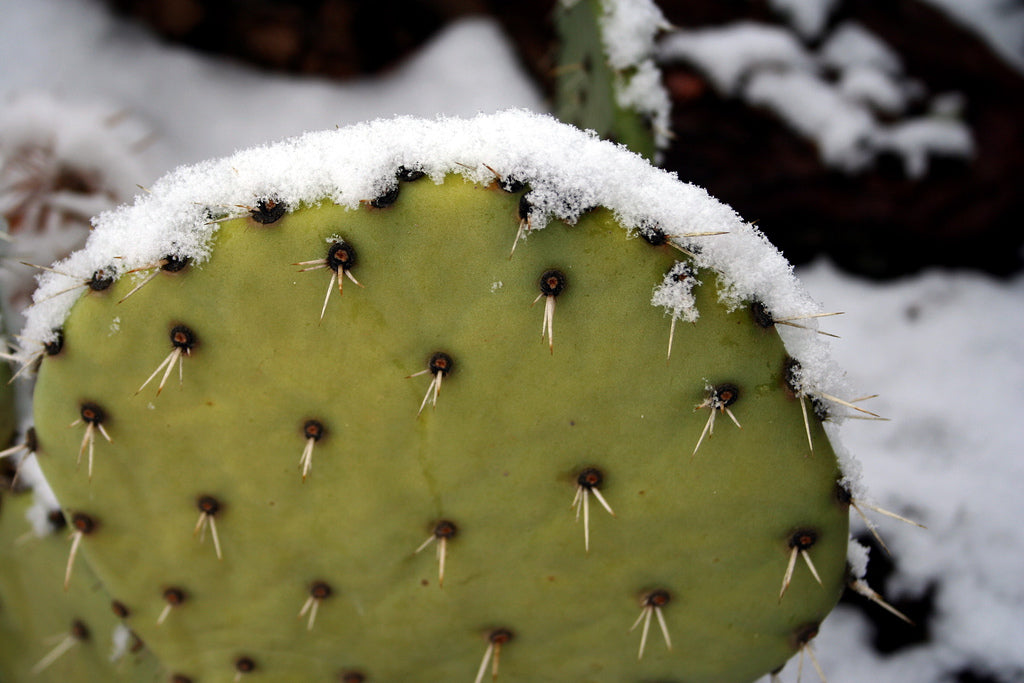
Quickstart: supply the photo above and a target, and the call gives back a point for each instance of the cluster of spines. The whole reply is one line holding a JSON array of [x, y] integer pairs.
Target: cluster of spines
[[340, 258], [77, 633]]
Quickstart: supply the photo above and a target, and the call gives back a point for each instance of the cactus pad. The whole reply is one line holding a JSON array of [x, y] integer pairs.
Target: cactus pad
[[396, 403], [607, 80], [48, 634]]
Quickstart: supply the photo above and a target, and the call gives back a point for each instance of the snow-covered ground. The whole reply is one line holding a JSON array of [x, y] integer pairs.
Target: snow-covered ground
[[850, 96], [942, 349]]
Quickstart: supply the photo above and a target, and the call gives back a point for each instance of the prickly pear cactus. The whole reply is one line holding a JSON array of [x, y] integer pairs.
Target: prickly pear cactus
[[47, 633], [439, 400], [607, 79]]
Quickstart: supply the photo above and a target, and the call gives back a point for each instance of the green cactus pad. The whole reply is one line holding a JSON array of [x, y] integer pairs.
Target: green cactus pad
[[338, 451], [47, 634], [606, 79]]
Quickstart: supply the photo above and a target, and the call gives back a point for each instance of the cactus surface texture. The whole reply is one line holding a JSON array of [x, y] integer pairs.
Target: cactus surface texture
[[481, 457]]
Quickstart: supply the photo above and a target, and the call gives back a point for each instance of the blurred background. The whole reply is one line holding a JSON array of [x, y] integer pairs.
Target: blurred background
[[879, 145], [910, 61]]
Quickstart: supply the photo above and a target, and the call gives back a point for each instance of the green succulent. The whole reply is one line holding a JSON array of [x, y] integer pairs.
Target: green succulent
[[537, 432]]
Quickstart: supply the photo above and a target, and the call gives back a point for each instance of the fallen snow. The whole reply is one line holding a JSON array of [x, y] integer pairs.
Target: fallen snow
[[204, 108], [852, 45], [95, 136], [808, 17], [729, 54], [675, 293], [997, 22], [919, 140], [870, 87], [840, 95], [815, 109], [61, 162], [945, 350], [628, 30]]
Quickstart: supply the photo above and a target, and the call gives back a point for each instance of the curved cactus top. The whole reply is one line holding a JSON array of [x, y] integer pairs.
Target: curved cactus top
[[567, 172]]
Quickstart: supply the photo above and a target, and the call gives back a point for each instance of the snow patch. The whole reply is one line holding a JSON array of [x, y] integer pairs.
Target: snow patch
[[816, 110], [120, 641], [808, 17], [851, 45], [919, 140], [872, 88], [628, 30], [727, 55], [998, 22], [842, 96], [946, 461]]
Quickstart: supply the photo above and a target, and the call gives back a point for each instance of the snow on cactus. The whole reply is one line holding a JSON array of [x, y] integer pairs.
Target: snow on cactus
[[61, 162], [607, 79], [441, 399]]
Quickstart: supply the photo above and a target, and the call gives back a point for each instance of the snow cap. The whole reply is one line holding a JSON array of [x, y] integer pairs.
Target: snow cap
[[568, 171]]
